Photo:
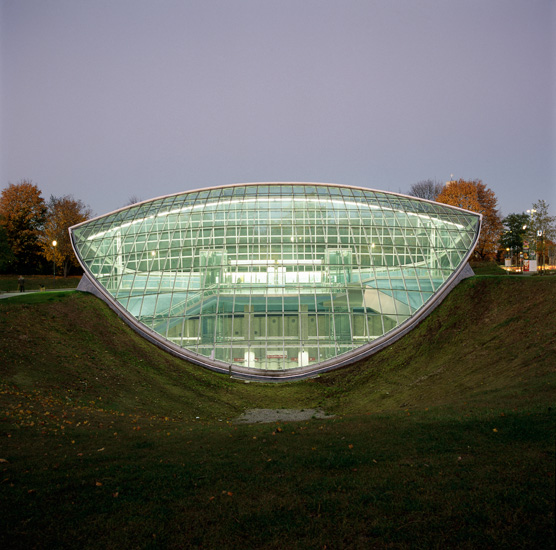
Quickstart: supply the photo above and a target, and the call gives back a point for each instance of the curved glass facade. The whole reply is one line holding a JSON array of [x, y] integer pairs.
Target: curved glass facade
[[265, 278]]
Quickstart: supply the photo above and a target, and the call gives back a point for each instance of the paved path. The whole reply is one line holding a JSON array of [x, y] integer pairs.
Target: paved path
[[16, 293], [254, 416]]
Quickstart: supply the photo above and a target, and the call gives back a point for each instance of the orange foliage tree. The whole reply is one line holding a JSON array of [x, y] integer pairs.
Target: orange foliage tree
[[63, 212], [476, 196], [22, 214]]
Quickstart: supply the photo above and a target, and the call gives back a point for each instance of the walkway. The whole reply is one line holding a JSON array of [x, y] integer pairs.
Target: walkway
[[13, 293]]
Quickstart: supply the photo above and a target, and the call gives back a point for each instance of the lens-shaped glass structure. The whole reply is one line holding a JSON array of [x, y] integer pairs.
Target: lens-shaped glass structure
[[275, 279]]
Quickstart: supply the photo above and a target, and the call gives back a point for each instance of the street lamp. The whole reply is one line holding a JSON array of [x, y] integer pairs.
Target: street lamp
[[540, 257], [54, 243]]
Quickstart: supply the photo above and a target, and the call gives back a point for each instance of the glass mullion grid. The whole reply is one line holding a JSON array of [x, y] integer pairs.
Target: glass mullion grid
[[108, 260], [163, 250], [132, 237], [282, 329], [385, 237], [428, 251], [314, 339], [106, 245], [323, 217], [349, 314], [123, 256], [171, 302], [370, 226], [414, 223], [438, 250], [450, 248], [401, 269], [367, 243], [364, 246], [319, 230], [231, 336], [381, 313], [196, 247], [175, 231], [186, 244], [398, 249], [215, 315], [141, 240], [332, 337], [359, 239]]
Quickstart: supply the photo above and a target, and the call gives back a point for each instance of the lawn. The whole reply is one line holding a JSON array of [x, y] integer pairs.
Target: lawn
[[9, 283], [443, 440]]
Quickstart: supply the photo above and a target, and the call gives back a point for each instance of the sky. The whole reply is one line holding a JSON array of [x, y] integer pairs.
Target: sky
[[109, 100]]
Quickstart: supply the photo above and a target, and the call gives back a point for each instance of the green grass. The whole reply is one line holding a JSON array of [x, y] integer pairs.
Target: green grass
[[443, 440], [487, 268], [8, 283], [448, 480]]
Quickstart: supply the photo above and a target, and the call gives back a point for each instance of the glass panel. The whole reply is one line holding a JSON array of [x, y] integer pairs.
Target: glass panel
[[275, 276]]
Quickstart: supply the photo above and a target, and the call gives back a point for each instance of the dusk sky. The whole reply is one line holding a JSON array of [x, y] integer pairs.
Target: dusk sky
[[110, 99]]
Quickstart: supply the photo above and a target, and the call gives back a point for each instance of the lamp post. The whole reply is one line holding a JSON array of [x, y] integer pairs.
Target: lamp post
[[525, 246], [531, 212], [54, 243], [540, 249]]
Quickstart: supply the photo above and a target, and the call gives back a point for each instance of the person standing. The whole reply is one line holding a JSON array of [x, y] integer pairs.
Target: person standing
[[21, 284]]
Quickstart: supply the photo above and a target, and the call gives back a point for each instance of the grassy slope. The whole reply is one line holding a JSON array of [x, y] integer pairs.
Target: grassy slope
[[72, 344], [446, 438], [492, 342], [493, 338]]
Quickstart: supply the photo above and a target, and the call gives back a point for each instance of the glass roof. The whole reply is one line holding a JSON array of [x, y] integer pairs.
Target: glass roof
[[275, 277]]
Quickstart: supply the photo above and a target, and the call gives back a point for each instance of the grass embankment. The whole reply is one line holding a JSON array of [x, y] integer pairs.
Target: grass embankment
[[445, 439]]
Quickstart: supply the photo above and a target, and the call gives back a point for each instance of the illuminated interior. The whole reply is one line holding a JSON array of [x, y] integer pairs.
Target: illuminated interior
[[273, 277]]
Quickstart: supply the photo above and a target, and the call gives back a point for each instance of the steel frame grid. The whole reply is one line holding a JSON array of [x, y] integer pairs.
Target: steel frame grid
[[391, 229]]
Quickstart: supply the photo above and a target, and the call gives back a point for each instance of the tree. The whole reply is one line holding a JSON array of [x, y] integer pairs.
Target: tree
[[515, 226], [6, 255], [541, 221], [427, 189], [476, 196], [22, 214], [134, 199], [63, 212]]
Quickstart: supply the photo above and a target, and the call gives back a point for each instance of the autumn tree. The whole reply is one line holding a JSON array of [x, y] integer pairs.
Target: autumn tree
[[62, 213], [426, 189], [22, 214], [476, 196]]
